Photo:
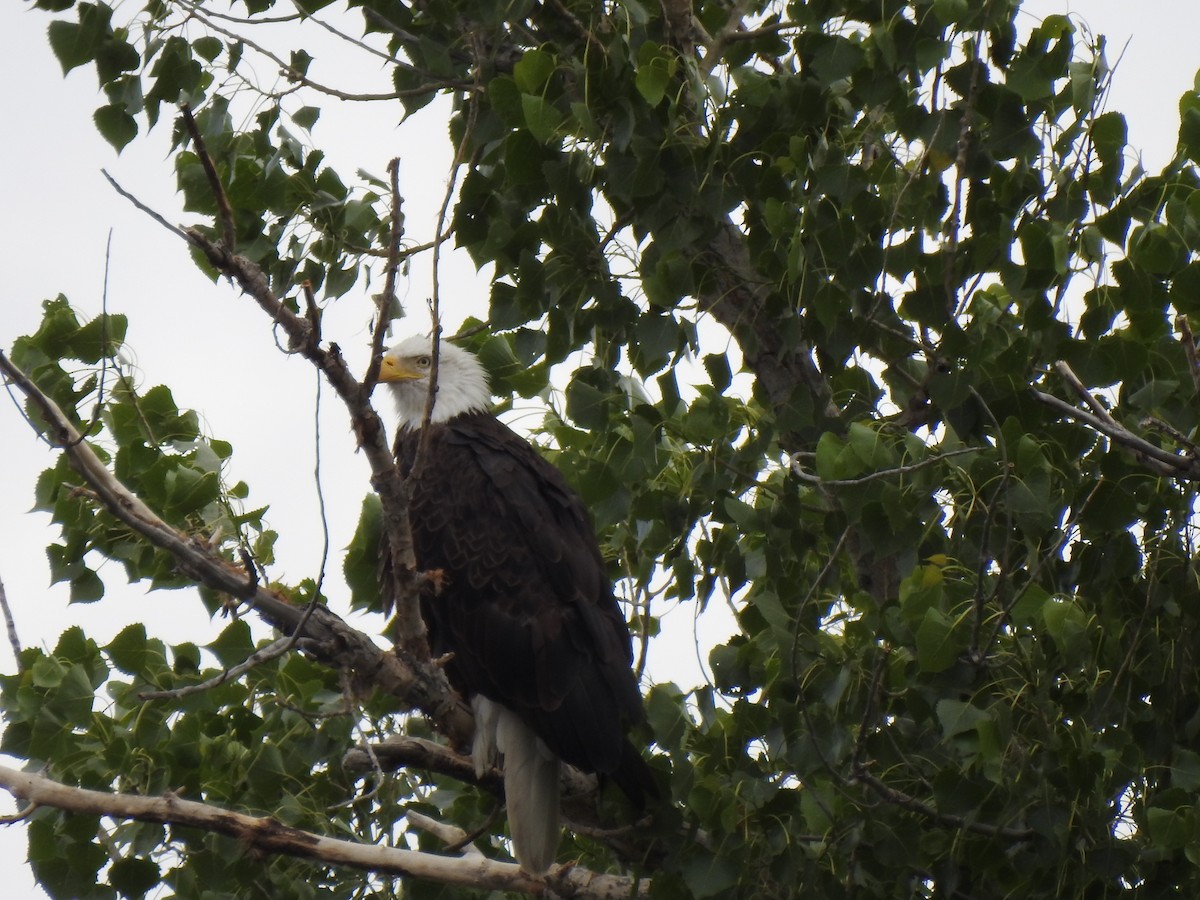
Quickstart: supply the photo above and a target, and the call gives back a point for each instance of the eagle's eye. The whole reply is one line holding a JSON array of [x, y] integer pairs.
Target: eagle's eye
[[424, 362]]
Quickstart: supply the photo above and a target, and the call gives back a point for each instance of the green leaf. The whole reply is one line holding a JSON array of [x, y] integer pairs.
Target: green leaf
[[656, 67], [1110, 133], [361, 563], [717, 367], [233, 645], [533, 70], [306, 117], [542, 118], [707, 877], [939, 643], [1189, 127], [1185, 770], [129, 649], [101, 337], [133, 876], [115, 125], [958, 717], [1158, 249], [208, 47], [300, 61], [949, 11], [1168, 828], [86, 587], [76, 43]]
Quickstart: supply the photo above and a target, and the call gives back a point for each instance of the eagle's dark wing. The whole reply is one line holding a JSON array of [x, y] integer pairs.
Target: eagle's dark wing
[[526, 606]]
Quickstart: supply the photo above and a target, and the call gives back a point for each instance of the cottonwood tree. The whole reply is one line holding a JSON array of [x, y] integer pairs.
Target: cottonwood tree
[[885, 344]]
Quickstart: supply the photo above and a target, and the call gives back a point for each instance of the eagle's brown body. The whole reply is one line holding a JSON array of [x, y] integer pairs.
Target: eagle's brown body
[[525, 607]]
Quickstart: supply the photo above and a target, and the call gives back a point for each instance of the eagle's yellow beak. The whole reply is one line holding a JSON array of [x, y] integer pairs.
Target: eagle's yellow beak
[[395, 369]]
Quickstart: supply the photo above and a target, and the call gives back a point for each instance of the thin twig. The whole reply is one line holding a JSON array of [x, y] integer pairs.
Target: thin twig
[[953, 224], [179, 232], [455, 839], [898, 798], [20, 815], [387, 300], [435, 310], [860, 745], [812, 592], [322, 511], [10, 625], [575, 24], [1153, 423], [295, 75], [796, 469], [224, 210], [274, 650], [361, 45]]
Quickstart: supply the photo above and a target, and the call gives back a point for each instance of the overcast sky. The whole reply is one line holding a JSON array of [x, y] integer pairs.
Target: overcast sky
[[199, 338]]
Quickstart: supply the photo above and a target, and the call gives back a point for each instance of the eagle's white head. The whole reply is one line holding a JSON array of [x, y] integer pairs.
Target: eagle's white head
[[461, 381]]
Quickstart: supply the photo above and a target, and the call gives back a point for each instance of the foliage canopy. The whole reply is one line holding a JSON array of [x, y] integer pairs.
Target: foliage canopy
[[940, 460]]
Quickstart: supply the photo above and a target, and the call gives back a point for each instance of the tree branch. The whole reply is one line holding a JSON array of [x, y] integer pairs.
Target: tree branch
[[304, 337], [580, 809], [332, 641], [10, 626], [267, 835], [891, 795], [736, 296], [1161, 461], [224, 210]]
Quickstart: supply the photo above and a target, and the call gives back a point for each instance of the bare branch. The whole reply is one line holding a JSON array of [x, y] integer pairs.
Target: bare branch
[[10, 625], [143, 207], [267, 835], [385, 475], [1084, 394]]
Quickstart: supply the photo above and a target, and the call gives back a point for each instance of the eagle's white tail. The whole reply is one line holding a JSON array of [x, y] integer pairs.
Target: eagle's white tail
[[531, 782]]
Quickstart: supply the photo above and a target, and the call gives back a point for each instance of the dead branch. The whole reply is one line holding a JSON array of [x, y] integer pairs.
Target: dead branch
[[267, 835]]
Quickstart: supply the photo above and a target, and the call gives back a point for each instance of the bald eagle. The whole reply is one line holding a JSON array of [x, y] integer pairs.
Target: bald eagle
[[526, 607]]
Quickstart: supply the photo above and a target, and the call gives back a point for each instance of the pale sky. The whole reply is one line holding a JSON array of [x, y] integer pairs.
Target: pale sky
[[199, 338]]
